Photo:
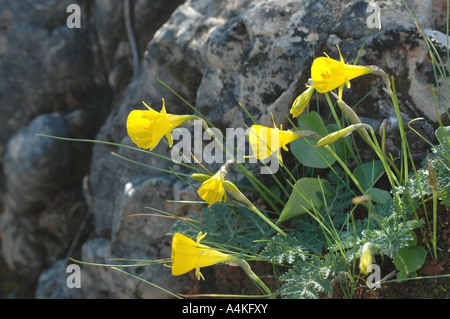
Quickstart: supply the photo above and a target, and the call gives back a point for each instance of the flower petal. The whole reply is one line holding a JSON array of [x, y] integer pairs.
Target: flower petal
[[327, 74], [212, 190], [184, 254], [188, 254], [263, 141], [146, 127]]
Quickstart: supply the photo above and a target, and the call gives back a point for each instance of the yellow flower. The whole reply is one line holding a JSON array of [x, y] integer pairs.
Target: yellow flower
[[188, 254], [366, 261], [212, 190], [266, 141], [147, 127], [328, 74], [302, 101]]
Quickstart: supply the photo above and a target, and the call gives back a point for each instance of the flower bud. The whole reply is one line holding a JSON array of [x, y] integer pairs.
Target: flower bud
[[301, 102], [335, 136], [366, 261]]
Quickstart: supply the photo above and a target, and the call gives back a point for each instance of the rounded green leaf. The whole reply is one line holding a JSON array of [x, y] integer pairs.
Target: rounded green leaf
[[306, 194], [305, 149], [368, 173], [410, 259], [379, 196]]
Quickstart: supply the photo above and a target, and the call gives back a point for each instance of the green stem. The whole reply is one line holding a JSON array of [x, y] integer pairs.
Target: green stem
[[372, 142], [247, 269], [345, 167], [435, 195], [401, 129], [241, 197], [147, 282]]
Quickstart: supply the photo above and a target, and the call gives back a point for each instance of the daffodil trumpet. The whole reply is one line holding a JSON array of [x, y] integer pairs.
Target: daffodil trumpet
[[146, 128], [213, 188], [188, 255], [328, 74], [266, 141]]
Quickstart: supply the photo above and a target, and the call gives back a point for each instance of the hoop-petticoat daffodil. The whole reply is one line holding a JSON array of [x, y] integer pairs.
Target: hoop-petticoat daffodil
[[328, 74], [188, 254], [366, 261], [147, 127], [266, 141], [212, 190]]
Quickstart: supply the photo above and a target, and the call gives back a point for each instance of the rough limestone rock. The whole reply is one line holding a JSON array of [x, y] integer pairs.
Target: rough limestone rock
[[73, 74], [35, 169], [44, 66], [42, 210], [216, 55], [36, 166]]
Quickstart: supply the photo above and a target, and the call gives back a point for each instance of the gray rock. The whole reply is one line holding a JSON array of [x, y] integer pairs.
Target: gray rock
[[135, 234], [42, 62], [21, 246], [104, 282], [39, 220], [52, 283], [47, 67], [36, 167]]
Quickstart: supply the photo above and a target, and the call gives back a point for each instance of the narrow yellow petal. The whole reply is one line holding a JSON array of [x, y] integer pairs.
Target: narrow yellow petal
[[169, 138], [198, 274], [163, 108]]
